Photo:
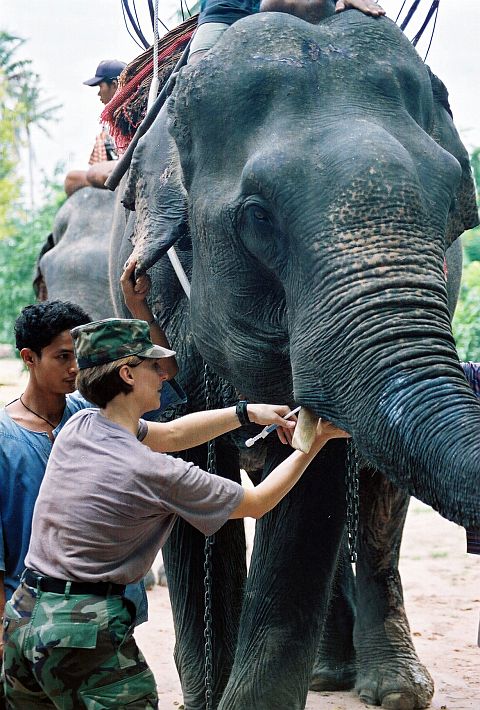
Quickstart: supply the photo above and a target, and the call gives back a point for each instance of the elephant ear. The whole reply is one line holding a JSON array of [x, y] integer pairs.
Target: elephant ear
[[464, 212], [38, 283], [154, 190]]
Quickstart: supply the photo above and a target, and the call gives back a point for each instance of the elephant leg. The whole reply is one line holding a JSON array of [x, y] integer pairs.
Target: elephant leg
[[184, 566], [335, 666], [293, 563], [389, 672]]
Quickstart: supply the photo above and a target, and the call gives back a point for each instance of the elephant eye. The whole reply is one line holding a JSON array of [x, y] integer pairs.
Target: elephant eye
[[260, 232], [260, 214], [257, 215]]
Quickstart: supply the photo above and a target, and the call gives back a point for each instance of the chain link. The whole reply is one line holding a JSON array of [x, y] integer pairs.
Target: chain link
[[207, 565], [352, 481]]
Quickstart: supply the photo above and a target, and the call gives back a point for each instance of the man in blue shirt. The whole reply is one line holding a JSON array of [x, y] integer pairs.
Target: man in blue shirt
[[30, 424], [217, 15], [472, 373]]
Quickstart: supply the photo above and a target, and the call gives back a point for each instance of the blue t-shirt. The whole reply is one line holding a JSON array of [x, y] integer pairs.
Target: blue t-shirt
[[472, 373], [226, 11], [23, 459]]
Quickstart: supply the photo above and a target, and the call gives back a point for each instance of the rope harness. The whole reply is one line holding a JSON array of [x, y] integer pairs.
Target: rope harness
[[431, 12]]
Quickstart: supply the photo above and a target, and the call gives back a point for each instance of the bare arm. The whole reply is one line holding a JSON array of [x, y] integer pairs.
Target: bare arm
[[135, 294], [75, 180], [258, 501], [98, 173], [199, 427]]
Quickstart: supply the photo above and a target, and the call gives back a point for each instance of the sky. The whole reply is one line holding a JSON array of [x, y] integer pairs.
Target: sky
[[66, 39]]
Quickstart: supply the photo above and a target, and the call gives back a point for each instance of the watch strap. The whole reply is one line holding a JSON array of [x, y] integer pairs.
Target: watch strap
[[242, 413]]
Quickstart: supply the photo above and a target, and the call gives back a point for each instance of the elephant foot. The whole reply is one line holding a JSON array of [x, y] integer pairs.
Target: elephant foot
[[161, 576], [338, 677], [396, 684], [149, 580]]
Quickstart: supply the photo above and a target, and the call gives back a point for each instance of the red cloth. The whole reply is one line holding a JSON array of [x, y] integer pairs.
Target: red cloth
[[121, 102]]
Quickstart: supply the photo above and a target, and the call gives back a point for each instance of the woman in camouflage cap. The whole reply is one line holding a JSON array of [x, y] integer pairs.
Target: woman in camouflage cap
[[68, 640]]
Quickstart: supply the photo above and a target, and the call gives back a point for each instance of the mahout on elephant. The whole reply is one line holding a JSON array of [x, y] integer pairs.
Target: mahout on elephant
[[319, 229]]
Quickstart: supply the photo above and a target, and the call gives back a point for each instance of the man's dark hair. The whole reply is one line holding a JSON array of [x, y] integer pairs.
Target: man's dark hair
[[39, 324]]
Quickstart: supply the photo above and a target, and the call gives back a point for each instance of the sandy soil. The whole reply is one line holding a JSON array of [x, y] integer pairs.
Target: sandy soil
[[442, 596]]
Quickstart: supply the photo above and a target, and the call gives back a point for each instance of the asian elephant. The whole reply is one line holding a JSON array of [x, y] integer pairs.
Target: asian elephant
[[324, 182], [73, 265]]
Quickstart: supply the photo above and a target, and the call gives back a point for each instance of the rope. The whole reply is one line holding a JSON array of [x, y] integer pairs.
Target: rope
[[400, 11], [117, 114], [135, 26], [152, 94], [409, 16], [128, 29], [431, 12]]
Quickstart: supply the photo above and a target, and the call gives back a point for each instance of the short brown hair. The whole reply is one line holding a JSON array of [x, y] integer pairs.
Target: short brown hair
[[101, 383]]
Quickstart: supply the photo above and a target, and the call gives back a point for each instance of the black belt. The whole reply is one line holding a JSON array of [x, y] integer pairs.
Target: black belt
[[59, 586]]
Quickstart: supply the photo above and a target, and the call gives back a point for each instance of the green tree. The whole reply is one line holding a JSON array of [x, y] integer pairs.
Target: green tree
[[18, 256], [466, 323], [471, 239], [23, 108], [10, 183], [35, 112]]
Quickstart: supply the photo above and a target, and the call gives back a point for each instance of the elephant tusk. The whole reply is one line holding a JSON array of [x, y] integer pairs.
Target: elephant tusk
[[305, 431]]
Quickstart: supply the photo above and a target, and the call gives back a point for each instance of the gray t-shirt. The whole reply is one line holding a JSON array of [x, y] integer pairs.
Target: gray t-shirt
[[108, 503]]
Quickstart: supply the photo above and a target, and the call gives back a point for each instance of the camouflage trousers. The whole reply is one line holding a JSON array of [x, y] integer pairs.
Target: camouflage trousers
[[73, 651]]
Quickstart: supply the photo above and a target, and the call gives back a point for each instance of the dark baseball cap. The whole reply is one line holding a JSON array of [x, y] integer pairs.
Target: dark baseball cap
[[107, 69]]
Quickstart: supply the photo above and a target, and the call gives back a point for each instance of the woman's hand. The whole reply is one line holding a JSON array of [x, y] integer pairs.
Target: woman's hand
[[266, 414], [135, 291]]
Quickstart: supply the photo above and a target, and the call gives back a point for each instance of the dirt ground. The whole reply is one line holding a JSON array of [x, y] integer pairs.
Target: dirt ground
[[442, 595]]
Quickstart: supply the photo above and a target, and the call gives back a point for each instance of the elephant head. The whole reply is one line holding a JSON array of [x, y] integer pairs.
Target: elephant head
[[73, 264], [325, 180]]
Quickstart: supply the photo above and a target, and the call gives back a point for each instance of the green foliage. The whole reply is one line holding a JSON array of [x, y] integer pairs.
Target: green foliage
[[471, 239], [9, 182], [22, 107], [471, 245], [475, 163], [22, 233], [466, 323], [18, 255]]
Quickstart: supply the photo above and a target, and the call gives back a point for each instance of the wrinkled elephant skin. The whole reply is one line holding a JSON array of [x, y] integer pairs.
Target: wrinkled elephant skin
[[319, 223], [319, 230]]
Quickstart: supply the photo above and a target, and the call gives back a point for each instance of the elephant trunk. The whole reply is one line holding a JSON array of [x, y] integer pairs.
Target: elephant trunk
[[390, 375]]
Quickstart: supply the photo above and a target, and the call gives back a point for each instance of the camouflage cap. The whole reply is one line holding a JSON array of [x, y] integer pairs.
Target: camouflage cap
[[112, 339]]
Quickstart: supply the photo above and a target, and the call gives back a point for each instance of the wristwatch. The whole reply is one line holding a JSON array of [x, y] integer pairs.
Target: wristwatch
[[242, 413]]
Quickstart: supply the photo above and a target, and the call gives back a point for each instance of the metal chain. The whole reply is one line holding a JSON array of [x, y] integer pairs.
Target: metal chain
[[207, 565], [353, 499]]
